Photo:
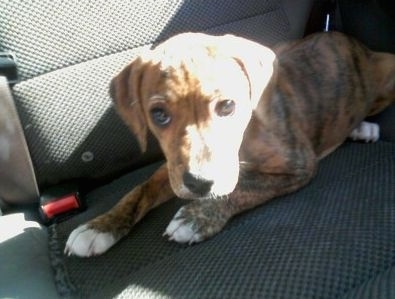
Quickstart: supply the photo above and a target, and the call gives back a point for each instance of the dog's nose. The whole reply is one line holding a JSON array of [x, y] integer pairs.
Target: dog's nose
[[197, 184]]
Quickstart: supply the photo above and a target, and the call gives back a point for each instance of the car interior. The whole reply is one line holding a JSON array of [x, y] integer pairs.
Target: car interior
[[66, 157]]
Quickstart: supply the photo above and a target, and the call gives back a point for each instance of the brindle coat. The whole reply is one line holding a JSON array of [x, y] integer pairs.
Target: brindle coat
[[238, 124]]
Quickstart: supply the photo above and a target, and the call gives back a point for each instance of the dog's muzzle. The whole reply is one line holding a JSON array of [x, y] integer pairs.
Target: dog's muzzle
[[197, 184]]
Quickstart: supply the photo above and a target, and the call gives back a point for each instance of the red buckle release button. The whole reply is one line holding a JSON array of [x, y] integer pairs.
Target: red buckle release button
[[62, 205]]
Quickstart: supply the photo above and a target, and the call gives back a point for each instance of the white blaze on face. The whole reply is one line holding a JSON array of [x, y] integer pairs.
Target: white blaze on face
[[213, 140], [214, 156]]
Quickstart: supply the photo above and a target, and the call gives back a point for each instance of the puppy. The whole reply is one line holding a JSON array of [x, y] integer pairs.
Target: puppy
[[238, 123]]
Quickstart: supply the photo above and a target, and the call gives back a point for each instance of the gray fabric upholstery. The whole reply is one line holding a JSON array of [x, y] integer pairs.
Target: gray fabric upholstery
[[327, 240], [68, 113], [49, 35], [69, 51], [379, 286], [25, 270]]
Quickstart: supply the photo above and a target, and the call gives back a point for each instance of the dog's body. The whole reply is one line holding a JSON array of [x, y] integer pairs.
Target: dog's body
[[238, 124]]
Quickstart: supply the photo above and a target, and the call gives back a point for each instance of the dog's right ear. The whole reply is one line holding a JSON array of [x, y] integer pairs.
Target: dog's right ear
[[125, 90]]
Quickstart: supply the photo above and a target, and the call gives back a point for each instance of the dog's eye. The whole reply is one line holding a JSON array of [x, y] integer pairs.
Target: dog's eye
[[160, 116], [225, 108]]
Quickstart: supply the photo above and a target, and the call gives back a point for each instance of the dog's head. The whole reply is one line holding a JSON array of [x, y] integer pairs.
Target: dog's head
[[196, 94]]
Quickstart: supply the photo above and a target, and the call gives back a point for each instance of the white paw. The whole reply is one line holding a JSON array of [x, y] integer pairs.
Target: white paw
[[182, 230], [85, 242], [366, 131]]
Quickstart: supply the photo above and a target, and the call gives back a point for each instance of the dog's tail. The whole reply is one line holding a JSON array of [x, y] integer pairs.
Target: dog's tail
[[384, 75]]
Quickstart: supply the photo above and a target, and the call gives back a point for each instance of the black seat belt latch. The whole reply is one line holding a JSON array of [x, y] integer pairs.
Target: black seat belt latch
[[9, 67], [60, 202]]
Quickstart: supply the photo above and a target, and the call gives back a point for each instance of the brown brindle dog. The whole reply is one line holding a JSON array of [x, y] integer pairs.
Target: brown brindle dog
[[238, 123]]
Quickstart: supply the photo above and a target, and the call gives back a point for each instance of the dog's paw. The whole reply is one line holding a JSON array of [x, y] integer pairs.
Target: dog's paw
[[85, 242], [197, 221], [183, 230], [366, 131]]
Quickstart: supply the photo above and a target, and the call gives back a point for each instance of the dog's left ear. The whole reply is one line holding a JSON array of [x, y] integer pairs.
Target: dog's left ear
[[256, 61], [125, 91]]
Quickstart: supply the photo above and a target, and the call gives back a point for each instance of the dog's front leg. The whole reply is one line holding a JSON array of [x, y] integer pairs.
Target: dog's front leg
[[202, 219], [99, 234]]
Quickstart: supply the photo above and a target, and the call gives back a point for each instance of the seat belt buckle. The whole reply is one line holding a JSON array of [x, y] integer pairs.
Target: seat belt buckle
[[9, 67], [60, 202]]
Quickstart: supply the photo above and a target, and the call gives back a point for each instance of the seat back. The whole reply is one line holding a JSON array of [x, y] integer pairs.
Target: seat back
[[68, 51]]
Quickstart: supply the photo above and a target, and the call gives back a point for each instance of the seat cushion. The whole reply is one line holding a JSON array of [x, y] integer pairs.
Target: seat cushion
[[325, 240], [67, 60], [24, 263]]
